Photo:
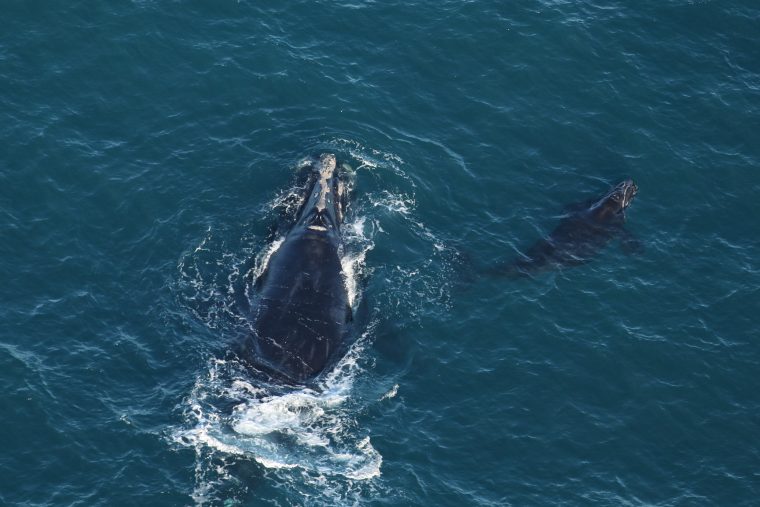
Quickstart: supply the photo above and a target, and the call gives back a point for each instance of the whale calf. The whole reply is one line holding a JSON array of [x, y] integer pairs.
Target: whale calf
[[301, 313], [586, 229]]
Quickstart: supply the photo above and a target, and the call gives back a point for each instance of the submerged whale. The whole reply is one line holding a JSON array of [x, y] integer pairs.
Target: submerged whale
[[302, 313], [583, 232]]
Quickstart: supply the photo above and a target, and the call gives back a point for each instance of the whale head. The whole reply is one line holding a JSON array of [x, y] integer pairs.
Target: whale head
[[617, 199], [324, 206]]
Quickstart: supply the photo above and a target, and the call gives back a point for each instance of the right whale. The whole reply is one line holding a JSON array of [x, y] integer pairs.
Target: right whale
[[584, 231], [301, 315]]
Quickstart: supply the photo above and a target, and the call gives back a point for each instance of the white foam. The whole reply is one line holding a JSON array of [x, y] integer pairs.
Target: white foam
[[289, 201], [357, 239], [286, 412], [312, 431], [370, 158], [390, 394], [262, 260], [202, 244], [396, 203]]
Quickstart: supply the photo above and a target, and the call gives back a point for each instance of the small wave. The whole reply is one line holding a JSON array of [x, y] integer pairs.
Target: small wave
[[371, 158], [204, 279], [395, 203]]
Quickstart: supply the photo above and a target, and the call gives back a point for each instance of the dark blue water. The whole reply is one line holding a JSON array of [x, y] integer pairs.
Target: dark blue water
[[147, 149]]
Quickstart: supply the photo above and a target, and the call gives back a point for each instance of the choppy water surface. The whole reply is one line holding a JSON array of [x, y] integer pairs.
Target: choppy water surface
[[148, 168]]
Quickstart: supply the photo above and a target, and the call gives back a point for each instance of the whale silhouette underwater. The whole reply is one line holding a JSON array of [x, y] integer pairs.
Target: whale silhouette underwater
[[586, 228], [301, 313]]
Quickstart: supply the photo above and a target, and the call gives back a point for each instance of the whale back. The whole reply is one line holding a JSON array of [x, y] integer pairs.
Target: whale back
[[581, 234], [301, 314]]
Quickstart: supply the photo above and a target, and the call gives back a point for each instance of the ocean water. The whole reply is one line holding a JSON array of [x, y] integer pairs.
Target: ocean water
[[148, 153]]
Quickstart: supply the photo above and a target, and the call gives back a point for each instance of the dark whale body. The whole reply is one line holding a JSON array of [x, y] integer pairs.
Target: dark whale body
[[582, 233], [301, 313]]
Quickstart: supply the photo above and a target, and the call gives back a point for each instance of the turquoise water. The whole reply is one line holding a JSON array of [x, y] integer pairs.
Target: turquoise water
[[148, 148]]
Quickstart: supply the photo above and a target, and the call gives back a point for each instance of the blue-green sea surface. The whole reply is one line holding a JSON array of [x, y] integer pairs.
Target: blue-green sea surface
[[149, 150]]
